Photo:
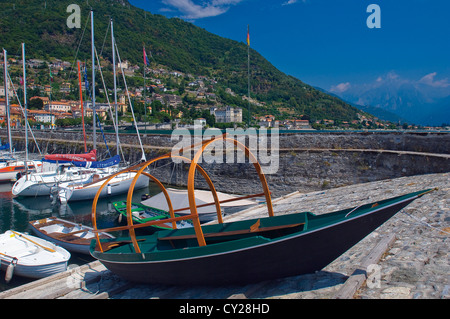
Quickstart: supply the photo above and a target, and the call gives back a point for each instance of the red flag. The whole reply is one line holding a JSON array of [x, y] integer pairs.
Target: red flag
[[248, 35], [146, 61]]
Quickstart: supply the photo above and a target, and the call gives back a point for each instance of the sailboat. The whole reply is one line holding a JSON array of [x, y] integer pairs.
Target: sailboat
[[68, 169], [87, 189], [11, 169]]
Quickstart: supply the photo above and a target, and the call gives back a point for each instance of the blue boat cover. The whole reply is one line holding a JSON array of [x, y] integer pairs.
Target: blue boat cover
[[100, 164]]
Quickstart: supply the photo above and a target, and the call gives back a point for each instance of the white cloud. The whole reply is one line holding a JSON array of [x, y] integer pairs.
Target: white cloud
[[292, 2], [191, 9], [340, 88], [429, 80]]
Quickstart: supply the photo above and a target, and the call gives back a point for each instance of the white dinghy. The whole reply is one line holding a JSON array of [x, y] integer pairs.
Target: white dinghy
[[29, 256]]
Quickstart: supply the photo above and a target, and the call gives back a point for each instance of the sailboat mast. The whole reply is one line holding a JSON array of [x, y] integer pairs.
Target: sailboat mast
[[113, 41], [143, 158], [145, 107], [248, 71], [82, 107], [8, 127], [94, 127], [25, 100]]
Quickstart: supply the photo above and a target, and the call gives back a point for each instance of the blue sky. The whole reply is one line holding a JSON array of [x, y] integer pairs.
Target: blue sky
[[327, 43]]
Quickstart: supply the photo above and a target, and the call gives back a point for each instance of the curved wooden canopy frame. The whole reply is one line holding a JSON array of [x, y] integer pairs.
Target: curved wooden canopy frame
[[130, 226], [191, 195]]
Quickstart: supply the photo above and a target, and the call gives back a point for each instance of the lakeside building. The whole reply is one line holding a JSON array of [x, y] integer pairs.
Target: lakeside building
[[227, 114], [58, 106], [10, 91], [42, 116]]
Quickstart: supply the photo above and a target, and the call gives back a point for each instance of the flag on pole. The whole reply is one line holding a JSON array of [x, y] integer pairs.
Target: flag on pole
[[51, 75], [21, 80], [248, 35], [146, 61]]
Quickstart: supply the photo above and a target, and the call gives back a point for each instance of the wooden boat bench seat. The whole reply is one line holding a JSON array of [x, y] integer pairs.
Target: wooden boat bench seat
[[113, 244], [41, 225]]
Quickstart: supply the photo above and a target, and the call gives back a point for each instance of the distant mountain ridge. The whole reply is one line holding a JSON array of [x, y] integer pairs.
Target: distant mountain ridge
[[425, 101], [375, 111], [174, 43]]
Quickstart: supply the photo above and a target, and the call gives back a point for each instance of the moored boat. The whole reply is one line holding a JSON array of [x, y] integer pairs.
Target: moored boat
[[87, 189], [229, 203], [42, 183], [12, 168], [29, 256], [10, 171], [142, 214], [72, 236], [245, 251]]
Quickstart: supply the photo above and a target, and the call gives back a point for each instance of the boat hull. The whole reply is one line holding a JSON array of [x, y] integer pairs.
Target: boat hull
[[296, 254], [33, 261], [36, 272], [29, 189], [74, 248], [77, 244], [10, 171], [71, 194], [43, 184]]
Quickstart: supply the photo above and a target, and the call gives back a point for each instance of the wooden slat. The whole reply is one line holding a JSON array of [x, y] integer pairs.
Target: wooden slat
[[359, 276], [113, 244], [233, 232]]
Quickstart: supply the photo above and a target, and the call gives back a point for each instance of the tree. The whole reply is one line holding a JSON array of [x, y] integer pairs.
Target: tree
[[210, 119], [156, 106], [36, 104]]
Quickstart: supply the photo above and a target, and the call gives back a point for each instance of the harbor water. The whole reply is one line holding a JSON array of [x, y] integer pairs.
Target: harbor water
[[16, 212]]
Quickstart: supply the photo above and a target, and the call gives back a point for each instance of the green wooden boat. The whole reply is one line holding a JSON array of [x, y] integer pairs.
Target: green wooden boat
[[245, 251], [143, 214]]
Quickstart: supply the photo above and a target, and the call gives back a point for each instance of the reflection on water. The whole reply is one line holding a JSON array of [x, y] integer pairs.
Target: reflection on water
[[16, 212]]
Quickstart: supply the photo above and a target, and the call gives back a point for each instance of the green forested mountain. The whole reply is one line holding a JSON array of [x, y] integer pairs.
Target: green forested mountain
[[174, 43]]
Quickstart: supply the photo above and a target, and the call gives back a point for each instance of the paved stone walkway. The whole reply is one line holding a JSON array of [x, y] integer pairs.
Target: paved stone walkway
[[417, 265]]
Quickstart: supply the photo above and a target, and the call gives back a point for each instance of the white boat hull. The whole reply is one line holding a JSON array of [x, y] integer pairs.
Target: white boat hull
[[119, 185], [41, 184], [33, 260], [33, 189], [37, 272]]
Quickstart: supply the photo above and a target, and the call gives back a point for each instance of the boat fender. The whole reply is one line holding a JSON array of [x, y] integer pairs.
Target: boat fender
[[10, 270], [120, 218], [53, 191], [109, 189]]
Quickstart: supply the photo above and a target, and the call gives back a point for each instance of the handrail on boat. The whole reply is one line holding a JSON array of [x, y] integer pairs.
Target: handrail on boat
[[194, 166]]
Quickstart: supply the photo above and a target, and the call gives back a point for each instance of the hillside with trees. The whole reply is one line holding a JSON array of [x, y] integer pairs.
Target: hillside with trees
[[174, 44]]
